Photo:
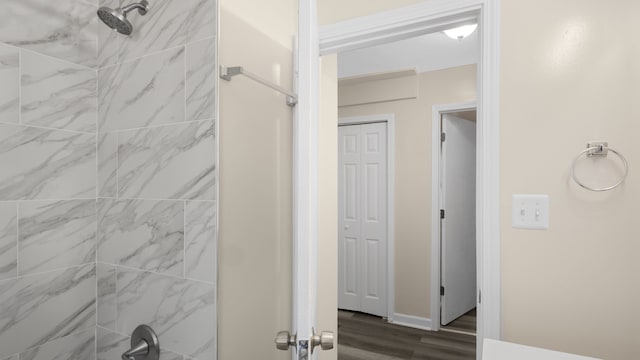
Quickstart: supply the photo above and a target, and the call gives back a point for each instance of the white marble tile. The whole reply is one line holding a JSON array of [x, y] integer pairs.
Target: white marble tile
[[46, 164], [168, 355], [107, 164], [144, 92], [110, 346], [8, 240], [168, 162], [55, 234], [169, 23], [106, 295], [108, 40], [201, 79], [76, 346], [143, 234], [9, 84], [66, 29], [40, 308], [182, 312], [57, 94], [200, 240]]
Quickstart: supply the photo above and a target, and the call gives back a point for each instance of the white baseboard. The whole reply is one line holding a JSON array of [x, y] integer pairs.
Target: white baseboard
[[411, 321]]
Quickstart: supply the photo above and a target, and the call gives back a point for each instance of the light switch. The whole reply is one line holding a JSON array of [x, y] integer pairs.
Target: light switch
[[530, 212]]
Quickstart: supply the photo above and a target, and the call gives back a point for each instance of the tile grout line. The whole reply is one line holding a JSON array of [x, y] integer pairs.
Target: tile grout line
[[116, 131], [184, 240], [47, 272], [115, 310], [20, 86], [95, 204], [120, 61], [117, 166], [17, 239], [105, 198], [45, 127], [85, 67], [45, 200], [184, 63], [55, 339], [113, 331], [175, 277]]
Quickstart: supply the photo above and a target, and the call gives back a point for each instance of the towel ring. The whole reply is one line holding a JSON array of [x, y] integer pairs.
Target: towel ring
[[599, 150]]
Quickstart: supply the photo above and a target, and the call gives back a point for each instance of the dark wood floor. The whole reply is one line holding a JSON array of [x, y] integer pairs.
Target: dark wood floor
[[465, 323], [368, 337]]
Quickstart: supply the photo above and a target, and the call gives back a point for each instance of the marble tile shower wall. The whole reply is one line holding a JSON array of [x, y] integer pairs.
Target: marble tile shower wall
[[108, 181]]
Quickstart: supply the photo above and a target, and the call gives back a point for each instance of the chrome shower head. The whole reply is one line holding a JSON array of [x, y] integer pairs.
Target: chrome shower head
[[117, 18]]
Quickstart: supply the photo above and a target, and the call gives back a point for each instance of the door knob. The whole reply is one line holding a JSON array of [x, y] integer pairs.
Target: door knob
[[284, 340], [325, 340]]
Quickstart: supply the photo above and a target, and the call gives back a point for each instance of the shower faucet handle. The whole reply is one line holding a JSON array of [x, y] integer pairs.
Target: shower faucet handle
[[141, 349], [144, 345]]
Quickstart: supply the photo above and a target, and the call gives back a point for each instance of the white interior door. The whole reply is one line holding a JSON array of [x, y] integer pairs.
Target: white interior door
[[362, 218], [458, 184]]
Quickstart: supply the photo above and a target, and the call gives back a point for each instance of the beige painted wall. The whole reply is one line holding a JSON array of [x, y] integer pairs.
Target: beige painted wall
[[331, 11], [575, 287], [413, 174], [278, 19], [328, 201], [255, 194]]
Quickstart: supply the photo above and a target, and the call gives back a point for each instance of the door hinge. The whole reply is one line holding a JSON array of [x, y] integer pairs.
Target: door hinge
[[479, 296], [441, 213], [441, 290], [443, 137]]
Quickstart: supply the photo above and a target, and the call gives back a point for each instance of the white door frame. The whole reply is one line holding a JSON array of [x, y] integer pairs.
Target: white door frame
[[391, 156], [403, 23], [436, 152], [305, 180]]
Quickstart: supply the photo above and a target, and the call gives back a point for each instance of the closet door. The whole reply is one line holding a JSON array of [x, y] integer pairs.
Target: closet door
[[362, 221], [349, 217]]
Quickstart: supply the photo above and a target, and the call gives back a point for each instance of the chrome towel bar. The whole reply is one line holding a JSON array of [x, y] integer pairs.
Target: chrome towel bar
[[226, 73]]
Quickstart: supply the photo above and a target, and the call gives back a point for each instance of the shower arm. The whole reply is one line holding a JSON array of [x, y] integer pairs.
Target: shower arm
[[142, 7]]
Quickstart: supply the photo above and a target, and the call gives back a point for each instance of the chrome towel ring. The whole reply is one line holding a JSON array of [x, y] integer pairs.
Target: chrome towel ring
[[600, 149]]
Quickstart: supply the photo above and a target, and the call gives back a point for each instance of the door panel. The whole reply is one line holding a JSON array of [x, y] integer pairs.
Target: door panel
[[362, 186], [350, 265], [372, 190], [372, 254], [459, 226], [351, 196], [349, 218]]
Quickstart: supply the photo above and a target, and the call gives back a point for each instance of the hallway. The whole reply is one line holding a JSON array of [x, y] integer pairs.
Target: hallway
[[362, 336]]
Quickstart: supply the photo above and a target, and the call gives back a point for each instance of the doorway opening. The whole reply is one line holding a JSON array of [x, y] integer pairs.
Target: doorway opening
[[368, 210], [454, 245], [429, 17]]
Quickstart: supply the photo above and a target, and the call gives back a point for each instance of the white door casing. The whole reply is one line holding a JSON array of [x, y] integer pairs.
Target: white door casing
[[362, 232], [403, 23], [458, 228]]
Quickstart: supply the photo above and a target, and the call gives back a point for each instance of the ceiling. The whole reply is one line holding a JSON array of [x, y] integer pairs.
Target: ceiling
[[429, 52]]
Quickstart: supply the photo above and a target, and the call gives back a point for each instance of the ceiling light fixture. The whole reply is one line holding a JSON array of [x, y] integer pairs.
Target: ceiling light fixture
[[461, 32]]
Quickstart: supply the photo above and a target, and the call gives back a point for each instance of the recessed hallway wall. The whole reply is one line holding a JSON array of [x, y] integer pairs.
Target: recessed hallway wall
[[410, 99]]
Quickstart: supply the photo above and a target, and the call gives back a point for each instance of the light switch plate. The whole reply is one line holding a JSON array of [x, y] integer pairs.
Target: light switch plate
[[530, 212]]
